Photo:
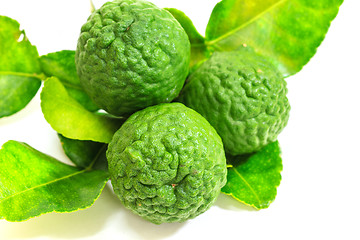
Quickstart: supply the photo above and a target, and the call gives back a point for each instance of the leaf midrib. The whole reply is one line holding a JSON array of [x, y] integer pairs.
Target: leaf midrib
[[248, 185], [22, 74], [212, 42], [42, 185], [89, 168]]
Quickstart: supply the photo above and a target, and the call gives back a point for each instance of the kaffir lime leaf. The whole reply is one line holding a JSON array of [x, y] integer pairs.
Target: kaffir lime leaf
[[130, 55], [167, 163], [242, 96]]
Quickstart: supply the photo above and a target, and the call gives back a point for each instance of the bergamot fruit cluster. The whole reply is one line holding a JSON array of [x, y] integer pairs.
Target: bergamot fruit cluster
[[167, 163], [130, 55], [243, 96]]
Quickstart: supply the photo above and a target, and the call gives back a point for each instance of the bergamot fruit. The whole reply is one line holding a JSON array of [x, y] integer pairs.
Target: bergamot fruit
[[243, 97], [167, 163], [130, 55]]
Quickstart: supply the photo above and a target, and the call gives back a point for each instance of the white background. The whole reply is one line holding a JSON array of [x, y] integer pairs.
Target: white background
[[319, 195]]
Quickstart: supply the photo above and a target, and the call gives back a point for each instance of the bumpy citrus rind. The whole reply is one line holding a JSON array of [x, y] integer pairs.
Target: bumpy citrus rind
[[130, 55], [242, 96], [167, 163]]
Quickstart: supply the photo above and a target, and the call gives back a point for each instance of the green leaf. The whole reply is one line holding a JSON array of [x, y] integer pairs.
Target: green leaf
[[198, 48], [32, 183], [83, 153], [71, 119], [16, 92], [288, 32], [19, 68], [62, 65], [252, 179]]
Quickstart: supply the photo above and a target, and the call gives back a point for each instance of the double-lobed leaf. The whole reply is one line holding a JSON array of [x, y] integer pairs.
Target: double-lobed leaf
[[287, 32], [20, 73], [253, 179], [69, 118], [33, 183]]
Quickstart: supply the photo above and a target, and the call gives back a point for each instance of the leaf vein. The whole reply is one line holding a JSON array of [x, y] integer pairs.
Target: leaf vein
[[212, 42], [43, 184], [22, 74], [247, 184]]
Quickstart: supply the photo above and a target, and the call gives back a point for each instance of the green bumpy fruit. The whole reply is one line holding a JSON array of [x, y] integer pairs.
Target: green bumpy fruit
[[130, 55], [242, 96], [167, 163]]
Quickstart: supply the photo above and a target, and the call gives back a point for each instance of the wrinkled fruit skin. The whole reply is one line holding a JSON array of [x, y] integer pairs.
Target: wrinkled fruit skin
[[242, 96], [130, 55], [167, 163]]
